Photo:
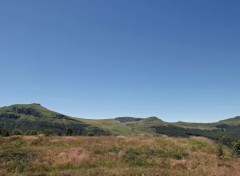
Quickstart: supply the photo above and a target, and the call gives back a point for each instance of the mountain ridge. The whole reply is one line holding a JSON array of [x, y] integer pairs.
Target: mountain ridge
[[34, 118], [39, 106]]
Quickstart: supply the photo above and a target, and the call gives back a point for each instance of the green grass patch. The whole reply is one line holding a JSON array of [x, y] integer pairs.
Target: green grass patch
[[17, 160], [135, 158]]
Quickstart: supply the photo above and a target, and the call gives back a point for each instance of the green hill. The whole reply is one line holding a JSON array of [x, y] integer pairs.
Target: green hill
[[231, 121], [127, 125], [235, 121], [32, 118]]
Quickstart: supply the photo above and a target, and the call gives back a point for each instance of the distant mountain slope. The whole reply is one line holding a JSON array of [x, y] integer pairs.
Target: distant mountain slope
[[235, 121], [202, 126], [127, 125], [231, 121], [30, 118], [34, 117]]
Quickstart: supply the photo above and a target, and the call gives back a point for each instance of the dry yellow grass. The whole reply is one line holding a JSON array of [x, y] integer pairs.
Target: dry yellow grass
[[114, 156]]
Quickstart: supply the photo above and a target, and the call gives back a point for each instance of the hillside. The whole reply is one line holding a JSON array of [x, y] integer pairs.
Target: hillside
[[235, 121], [127, 125], [32, 118]]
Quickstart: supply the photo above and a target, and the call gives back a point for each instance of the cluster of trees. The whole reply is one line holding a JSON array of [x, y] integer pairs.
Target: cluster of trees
[[224, 135], [230, 133], [67, 132], [48, 127], [27, 111], [4, 133], [236, 148]]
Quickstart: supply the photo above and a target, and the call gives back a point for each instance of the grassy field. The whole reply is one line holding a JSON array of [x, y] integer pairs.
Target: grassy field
[[115, 156]]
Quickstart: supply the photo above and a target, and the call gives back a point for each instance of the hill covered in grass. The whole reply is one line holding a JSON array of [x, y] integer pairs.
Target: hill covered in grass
[[227, 131], [127, 125], [34, 118]]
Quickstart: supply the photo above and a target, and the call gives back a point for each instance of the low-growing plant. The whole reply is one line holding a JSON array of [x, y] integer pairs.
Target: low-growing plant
[[199, 145], [115, 150], [48, 132], [220, 153], [17, 160], [175, 153], [31, 132], [135, 158], [90, 134], [179, 154], [17, 132], [15, 142], [5, 133], [69, 132], [236, 148], [37, 142]]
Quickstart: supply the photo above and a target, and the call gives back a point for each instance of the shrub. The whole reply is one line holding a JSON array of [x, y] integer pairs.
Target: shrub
[[236, 148], [48, 132], [17, 132], [179, 154], [5, 133], [59, 134], [220, 153], [135, 158], [31, 132], [69, 132], [90, 134]]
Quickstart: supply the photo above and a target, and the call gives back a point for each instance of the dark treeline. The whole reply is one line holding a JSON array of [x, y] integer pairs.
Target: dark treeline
[[46, 132], [228, 134]]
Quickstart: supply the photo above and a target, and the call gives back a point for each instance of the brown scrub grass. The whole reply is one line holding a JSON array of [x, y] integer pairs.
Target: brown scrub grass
[[114, 156]]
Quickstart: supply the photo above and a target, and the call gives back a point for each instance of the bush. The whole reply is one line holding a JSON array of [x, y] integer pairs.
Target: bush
[[135, 158], [31, 132], [5, 133], [69, 132], [236, 148], [17, 132], [220, 153], [90, 134], [179, 154], [48, 132]]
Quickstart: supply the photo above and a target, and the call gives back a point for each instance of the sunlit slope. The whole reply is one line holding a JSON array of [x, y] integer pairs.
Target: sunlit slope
[[34, 118], [235, 121], [127, 125]]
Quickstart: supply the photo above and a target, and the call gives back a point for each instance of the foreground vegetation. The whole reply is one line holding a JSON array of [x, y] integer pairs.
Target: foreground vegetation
[[115, 156]]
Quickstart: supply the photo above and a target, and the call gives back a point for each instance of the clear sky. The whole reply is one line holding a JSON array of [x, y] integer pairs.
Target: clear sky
[[178, 60]]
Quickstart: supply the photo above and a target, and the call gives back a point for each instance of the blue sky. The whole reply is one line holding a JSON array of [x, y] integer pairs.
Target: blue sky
[[178, 60]]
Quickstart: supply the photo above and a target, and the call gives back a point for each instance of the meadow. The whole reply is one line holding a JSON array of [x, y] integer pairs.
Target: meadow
[[114, 156]]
